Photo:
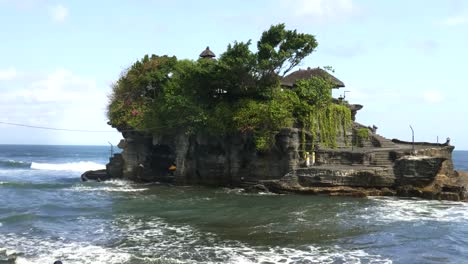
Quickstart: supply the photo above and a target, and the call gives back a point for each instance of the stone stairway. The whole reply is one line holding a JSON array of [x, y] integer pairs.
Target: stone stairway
[[382, 142], [381, 159], [366, 144]]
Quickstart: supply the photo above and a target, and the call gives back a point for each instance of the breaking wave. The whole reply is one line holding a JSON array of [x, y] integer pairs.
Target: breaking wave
[[81, 166], [156, 241], [155, 237], [124, 189], [13, 164], [41, 251], [388, 210], [109, 186]]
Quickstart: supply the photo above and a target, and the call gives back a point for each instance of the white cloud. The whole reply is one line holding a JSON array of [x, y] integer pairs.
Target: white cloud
[[8, 74], [60, 86], [59, 99], [432, 96], [47, 99], [454, 21], [322, 10], [59, 13]]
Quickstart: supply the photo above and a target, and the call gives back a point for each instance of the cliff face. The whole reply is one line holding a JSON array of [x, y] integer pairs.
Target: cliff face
[[378, 167], [202, 159]]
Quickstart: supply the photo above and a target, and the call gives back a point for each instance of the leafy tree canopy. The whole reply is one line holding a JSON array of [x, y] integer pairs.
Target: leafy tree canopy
[[280, 50], [238, 93]]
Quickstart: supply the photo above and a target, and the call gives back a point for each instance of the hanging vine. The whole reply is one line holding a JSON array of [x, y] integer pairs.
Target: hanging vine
[[318, 116]]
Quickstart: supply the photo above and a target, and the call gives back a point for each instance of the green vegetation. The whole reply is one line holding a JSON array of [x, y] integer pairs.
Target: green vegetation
[[238, 93], [361, 135]]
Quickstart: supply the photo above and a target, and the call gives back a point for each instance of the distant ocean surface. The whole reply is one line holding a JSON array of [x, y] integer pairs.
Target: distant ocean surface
[[47, 214]]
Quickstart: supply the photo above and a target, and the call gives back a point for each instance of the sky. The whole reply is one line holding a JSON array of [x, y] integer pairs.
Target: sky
[[405, 61]]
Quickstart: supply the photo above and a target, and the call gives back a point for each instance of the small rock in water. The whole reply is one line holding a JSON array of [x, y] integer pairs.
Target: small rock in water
[[7, 257], [257, 188]]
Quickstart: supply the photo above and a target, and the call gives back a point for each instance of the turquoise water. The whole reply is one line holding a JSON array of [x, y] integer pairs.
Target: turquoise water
[[47, 214]]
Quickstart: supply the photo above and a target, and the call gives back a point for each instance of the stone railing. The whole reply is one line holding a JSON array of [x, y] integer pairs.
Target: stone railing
[[429, 144]]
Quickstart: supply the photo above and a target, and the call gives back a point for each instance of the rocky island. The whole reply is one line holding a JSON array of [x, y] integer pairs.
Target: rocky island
[[248, 120]]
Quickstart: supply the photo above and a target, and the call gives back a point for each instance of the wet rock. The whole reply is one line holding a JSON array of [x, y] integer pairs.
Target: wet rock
[[387, 192], [418, 171], [409, 191], [353, 176], [453, 188], [7, 257], [450, 196], [232, 160], [430, 195], [356, 194], [257, 188], [97, 175], [115, 166], [373, 192]]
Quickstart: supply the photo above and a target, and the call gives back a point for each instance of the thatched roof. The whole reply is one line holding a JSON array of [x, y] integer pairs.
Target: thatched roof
[[207, 53], [291, 79]]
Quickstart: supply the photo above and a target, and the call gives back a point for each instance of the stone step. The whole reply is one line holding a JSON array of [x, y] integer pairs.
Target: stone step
[[384, 142], [381, 159]]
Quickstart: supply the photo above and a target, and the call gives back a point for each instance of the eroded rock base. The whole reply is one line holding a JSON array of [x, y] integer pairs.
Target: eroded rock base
[[375, 166]]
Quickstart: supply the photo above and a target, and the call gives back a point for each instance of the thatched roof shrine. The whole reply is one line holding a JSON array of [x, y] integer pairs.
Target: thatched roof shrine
[[207, 53], [291, 79]]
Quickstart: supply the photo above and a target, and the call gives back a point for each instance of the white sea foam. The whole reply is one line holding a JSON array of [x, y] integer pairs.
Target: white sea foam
[[109, 186], [107, 189], [241, 191], [17, 161], [41, 250], [81, 166], [118, 182], [77, 254], [155, 241], [157, 238], [410, 210]]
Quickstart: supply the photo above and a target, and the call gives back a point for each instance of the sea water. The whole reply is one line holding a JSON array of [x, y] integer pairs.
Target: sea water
[[47, 214]]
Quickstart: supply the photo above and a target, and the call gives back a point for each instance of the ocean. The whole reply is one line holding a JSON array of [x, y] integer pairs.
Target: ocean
[[48, 214]]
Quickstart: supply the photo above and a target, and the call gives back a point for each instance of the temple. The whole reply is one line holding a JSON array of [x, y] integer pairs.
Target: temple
[[361, 163], [291, 79], [207, 54]]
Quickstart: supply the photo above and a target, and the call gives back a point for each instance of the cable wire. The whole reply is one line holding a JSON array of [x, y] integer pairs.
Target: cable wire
[[86, 131], [59, 129]]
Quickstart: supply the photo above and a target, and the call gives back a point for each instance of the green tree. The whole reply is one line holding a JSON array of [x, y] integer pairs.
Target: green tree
[[238, 93], [237, 70], [137, 87], [280, 50]]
